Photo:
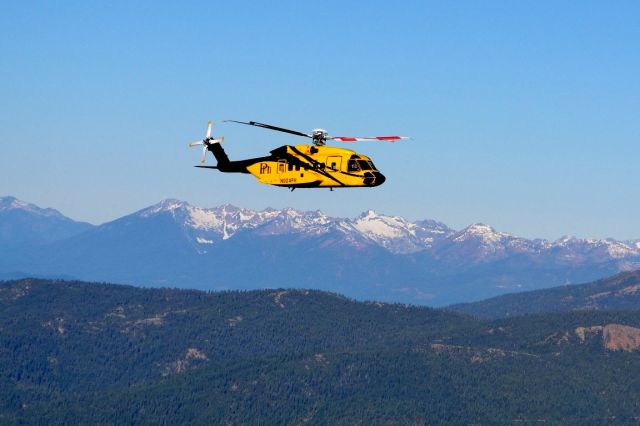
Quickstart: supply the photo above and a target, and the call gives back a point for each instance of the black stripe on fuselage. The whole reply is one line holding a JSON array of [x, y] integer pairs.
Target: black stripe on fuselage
[[316, 165]]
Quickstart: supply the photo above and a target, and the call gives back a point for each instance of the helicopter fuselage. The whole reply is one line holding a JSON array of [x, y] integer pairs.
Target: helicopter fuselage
[[306, 166]]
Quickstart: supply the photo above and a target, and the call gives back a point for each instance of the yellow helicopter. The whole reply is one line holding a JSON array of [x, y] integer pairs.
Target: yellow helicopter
[[301, 166]]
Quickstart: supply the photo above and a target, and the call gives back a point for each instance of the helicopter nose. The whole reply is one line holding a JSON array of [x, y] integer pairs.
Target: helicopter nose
[[379, 179], [373, 179]]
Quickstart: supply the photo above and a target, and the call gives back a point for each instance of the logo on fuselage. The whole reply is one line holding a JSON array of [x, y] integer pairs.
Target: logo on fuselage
[[265, 168]]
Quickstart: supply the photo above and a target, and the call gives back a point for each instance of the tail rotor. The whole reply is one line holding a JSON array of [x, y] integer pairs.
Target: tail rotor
[[206, 142]]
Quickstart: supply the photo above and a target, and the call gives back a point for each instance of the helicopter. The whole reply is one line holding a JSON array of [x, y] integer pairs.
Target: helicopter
[[301, 166]]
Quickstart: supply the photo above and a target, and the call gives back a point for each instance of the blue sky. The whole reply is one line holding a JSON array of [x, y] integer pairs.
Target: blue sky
[[524, 115]]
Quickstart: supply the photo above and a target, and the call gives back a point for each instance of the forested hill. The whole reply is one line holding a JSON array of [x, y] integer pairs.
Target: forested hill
[[73, 352], [622, 291]]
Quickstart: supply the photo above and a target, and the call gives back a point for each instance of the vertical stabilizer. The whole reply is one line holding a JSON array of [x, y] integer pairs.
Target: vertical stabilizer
[[219, 153]]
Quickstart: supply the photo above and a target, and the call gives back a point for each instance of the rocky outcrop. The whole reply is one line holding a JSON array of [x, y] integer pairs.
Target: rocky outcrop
[[615, 337], [618, 337], [189, 360], [585, 332]]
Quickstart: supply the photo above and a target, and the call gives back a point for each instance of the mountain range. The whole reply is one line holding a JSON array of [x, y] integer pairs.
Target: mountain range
[[372, 256]]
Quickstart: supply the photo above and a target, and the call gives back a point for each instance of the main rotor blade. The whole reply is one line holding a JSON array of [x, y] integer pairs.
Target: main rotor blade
[[367, 138], [209, 129], [270, 127]]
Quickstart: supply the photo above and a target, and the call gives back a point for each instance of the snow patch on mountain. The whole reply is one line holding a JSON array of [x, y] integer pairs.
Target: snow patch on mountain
[[394, 233], [294, 221], [383, 227], [204, 219], [217, 223]]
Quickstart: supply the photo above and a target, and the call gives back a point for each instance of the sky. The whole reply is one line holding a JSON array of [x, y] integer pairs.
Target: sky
[[524, 115]]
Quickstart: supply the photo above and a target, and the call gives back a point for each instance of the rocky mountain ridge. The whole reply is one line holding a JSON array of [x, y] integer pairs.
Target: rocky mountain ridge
[[394, 233], [372, 256]]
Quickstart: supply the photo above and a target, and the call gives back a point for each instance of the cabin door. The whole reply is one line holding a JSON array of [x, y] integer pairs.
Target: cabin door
[[282, 166]]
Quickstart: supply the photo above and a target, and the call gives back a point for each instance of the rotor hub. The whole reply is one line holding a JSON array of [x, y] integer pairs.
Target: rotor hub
[[319, 137]]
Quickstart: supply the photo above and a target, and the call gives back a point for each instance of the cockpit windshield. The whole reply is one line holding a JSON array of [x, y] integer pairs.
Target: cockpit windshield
[[357, 164], [364, 165]]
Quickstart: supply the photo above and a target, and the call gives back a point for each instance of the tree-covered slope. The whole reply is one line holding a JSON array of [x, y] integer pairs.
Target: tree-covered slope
[[71, 335], [74, 352], [621, 291]]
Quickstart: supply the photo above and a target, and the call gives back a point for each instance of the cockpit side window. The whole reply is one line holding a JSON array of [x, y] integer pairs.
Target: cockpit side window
[[352, 166]]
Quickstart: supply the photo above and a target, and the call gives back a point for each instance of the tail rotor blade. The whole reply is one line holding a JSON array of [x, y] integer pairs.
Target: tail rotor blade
[[206, 142]]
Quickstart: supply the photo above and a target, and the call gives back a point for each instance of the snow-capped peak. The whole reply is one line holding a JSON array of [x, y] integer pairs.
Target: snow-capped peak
[[291, 212], [369, 214], [12, 203], [167, 205], [9, 202], [377, 226], [566, 239], [480, 231], [397, 234]]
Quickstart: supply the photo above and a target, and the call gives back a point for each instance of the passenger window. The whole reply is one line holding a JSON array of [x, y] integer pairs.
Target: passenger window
[[290, 168]]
